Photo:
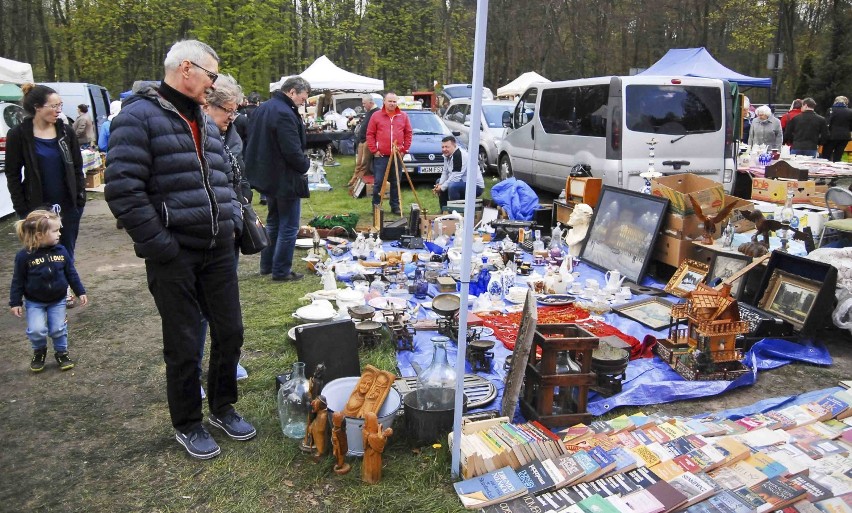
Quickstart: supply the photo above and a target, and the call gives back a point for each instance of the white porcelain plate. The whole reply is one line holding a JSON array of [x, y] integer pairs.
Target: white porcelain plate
[[386, 303], [292, 331], [314, 313]]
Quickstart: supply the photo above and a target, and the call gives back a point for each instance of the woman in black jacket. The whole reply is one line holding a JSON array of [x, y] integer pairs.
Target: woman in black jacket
[[839, 125], [44, 167]]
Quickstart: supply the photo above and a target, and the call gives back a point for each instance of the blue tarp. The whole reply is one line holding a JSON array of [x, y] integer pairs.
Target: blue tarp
[[516, 197], [765, 405], [697, 62], [652, 381]]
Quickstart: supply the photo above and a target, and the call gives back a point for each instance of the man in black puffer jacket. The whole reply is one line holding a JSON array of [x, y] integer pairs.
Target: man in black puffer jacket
[[167, 183]]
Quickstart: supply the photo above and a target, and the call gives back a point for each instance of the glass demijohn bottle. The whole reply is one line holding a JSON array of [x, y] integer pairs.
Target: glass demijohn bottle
[[436, 384], [294, 403]]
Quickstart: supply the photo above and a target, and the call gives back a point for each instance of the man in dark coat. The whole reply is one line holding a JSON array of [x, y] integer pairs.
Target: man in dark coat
[[806, 131], [276, 166], [839, 128], [166, 181]]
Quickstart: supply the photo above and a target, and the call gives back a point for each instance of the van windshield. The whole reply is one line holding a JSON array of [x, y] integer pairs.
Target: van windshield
[[673, 109]]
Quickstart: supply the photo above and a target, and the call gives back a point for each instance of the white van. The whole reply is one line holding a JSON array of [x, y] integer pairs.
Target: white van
[[606, 123], [75, 93]]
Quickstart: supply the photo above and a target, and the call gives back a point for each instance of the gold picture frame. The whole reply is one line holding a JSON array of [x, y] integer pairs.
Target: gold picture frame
[[790, 297], [687, 277], [654, 312]]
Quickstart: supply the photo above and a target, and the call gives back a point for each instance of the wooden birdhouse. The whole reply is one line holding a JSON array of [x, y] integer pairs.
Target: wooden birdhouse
[[712, 323]]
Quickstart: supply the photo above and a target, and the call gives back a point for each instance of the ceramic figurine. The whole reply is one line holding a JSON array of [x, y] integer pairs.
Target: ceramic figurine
[[579, 222], [318, 426], [339, 442], [374, 444]]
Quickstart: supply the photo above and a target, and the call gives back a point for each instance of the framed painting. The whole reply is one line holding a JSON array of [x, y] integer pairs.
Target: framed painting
[[655, 313], [623, 230], [790, 297], [725, 265], [687, 277]]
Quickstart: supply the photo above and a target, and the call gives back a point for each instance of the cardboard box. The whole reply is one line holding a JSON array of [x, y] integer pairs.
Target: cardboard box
[[671, 250], [94, 178], [775, 191], [708, 193]]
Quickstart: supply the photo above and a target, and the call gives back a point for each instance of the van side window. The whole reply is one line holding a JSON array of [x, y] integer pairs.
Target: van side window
[[575, 110], [525, 109], [674, 109]]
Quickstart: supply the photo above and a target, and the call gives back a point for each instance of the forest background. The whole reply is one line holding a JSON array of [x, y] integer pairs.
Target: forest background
[[411, 44]]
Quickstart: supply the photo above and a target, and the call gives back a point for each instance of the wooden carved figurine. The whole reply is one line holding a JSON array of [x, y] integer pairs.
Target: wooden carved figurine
[[318, 426], [710, 221], [374, 444], [339, 442], [762, 227], [317, 381]]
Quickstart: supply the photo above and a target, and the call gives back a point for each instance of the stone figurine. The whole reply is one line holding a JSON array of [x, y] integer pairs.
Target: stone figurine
[[579, 222]]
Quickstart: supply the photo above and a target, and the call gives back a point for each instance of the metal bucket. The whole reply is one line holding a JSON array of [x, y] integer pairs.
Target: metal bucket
[[429, 426], [337, 394]]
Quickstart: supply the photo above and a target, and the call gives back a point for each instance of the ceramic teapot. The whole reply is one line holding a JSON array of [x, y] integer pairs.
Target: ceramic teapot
[[613, 281]]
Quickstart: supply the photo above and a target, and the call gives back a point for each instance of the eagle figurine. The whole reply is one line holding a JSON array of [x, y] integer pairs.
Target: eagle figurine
[[763, 226], [710, 222]]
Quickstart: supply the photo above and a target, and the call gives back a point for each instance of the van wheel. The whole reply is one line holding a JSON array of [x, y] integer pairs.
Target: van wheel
[[505, 167], [483, 161]]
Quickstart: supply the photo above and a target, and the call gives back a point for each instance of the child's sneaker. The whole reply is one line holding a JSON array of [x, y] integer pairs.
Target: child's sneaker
[[37, 363], [63, 360]]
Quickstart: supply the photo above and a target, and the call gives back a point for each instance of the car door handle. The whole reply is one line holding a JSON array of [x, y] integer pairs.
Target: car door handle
[[532, 132]]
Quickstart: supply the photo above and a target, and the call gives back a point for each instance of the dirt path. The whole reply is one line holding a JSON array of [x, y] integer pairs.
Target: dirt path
[[98, 438]]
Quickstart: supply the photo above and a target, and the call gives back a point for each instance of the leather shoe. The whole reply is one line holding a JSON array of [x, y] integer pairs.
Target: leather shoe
[[289, 277]]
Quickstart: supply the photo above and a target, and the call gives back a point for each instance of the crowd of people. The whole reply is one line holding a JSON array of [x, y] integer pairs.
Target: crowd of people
[[803, 129]]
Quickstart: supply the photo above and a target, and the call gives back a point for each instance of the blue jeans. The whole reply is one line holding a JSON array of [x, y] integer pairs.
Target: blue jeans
[[455, 192], [47, 320], [282, 225], [379, 166], [809, 153]]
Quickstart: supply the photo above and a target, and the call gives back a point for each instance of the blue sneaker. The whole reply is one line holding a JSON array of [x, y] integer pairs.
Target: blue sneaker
[[233, 425], [198, 443], [242, 373]]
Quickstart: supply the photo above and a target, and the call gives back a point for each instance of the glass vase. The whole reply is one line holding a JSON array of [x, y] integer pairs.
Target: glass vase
[[294, 403], [436, 384]]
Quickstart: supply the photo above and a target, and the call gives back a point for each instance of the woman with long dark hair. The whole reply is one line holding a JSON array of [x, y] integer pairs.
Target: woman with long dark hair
[[44, 166]]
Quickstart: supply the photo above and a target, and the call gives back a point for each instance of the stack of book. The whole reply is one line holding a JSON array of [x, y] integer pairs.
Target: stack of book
[[795, 460]]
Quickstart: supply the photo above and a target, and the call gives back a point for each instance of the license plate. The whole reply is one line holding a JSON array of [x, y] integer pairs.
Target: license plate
[[431, 169]]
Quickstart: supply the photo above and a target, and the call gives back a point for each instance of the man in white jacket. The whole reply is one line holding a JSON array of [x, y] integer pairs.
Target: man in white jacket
[[451, 186]]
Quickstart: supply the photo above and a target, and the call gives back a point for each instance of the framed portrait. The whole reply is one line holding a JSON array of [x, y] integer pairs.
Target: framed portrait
[[623, 230], [790, 297], [687, 277], [725, 265], [655, 313]]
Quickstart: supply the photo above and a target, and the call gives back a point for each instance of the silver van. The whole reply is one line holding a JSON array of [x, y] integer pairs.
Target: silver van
[[76, 93], [605, 124]]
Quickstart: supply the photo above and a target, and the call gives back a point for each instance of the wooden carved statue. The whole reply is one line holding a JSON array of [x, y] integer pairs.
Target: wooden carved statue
[[762, 228], [318, 426], [374, 444], [317, 381], [339, 442], [710, 221]]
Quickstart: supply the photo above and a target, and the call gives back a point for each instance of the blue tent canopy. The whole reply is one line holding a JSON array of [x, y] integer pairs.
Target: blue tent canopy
[[697, 62]]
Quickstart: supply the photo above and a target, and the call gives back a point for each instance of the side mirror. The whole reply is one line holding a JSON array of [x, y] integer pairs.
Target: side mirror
[[467, 123], [456, 133], [507, 119]]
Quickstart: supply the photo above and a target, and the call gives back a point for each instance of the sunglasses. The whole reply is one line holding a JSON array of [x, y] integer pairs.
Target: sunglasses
[[212, 76]]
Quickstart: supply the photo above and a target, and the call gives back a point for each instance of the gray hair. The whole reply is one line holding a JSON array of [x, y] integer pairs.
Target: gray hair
[[298, 83], [188, 50], [227, 90], [763, 109]]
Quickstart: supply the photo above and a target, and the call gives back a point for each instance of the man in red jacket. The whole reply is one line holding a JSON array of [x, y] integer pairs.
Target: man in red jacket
[[795, 110], [388, 128]]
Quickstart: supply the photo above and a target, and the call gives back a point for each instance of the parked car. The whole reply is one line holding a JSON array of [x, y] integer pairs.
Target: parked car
[[452, 91], [10, 115], [424, 159], [491, 128]]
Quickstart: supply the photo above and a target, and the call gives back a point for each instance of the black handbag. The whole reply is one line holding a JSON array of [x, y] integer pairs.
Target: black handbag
[[254, 237]]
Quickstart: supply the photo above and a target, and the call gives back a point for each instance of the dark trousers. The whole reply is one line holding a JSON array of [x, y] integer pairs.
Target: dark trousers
[[833, 150], [70, 227], [455, 191], [380, 164], [194, 285], [282, 224]]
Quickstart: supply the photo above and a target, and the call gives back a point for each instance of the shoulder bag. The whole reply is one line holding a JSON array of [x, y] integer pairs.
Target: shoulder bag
[[254, 237]]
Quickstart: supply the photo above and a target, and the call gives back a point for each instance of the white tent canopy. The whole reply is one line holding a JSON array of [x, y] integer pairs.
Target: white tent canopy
[[520, 84], [324, 74], [15, 72]]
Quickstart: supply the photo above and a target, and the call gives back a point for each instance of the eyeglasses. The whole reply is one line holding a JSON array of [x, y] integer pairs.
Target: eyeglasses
[[232, 113], [212, 76], [55, 106]]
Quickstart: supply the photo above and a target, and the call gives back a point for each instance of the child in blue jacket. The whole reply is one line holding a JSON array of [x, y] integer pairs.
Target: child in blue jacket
[[43, 271]]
